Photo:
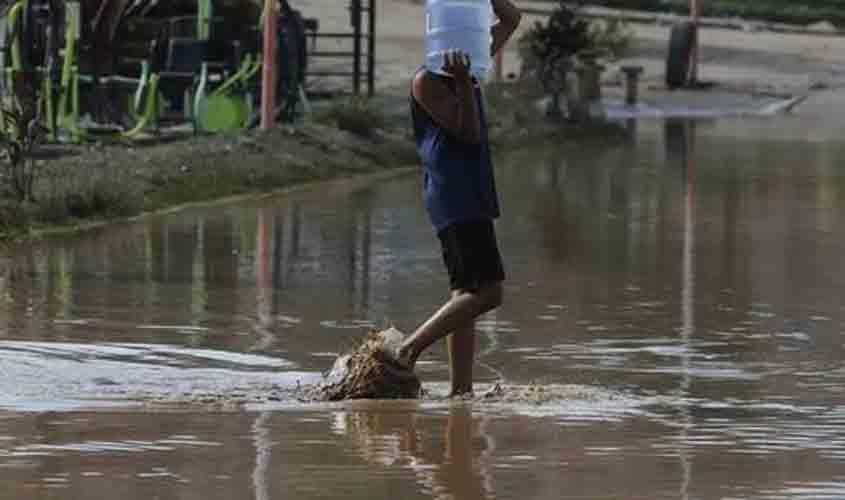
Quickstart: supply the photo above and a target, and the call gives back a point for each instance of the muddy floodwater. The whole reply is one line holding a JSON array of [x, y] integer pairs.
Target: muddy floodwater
[[674, 314]]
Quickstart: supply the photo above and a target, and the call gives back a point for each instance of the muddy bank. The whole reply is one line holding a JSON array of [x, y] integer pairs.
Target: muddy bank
[[80, 185]]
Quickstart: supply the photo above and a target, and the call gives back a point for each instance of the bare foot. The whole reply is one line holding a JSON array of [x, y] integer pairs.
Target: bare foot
[[405, 358], [396, 349]]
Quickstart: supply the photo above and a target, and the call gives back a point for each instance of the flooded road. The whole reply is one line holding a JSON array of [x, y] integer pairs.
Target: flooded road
[[676, 299]]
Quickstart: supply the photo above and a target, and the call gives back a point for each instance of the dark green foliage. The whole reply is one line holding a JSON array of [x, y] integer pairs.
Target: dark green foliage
[[548, 49], [563, 36], [20, 134]]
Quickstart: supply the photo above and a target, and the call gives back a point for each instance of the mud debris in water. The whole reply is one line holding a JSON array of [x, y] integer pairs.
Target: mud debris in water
[[370, 372], [543, 394]]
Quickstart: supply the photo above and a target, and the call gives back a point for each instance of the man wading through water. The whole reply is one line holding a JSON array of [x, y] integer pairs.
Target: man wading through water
[[460, 196]]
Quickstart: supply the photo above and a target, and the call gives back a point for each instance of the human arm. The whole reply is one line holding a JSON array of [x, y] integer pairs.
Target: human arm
[[509, 17], [456, 111]]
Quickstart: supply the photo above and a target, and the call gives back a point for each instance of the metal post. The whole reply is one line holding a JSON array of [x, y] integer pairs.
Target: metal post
[[371, 50], [268, 73], [356, 53], [632, 78]]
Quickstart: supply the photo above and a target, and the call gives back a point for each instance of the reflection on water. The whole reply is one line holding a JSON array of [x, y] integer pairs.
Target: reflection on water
[[681, 291], [460, 470]]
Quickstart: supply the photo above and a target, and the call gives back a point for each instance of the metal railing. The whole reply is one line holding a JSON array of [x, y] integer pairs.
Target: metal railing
[[363, 32]]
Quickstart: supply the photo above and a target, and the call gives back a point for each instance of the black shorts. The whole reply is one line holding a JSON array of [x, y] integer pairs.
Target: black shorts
[[471, 254]]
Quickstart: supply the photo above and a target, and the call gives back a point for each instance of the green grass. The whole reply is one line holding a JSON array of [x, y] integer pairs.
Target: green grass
[[209, 182], [97, 193], [355, 114]]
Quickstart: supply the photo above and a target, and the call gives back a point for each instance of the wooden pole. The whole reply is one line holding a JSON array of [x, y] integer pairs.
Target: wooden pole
[[497, 66], [695, 14], [268, 69]]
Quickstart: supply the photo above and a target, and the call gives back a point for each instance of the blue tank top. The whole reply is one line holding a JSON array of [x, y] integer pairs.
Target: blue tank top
[[458, 181]]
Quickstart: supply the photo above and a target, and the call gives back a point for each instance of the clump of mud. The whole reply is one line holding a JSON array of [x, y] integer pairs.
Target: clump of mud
[[370, 371]]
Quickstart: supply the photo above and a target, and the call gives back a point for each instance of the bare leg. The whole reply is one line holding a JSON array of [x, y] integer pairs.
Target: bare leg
[[461, 345], [456, 317]]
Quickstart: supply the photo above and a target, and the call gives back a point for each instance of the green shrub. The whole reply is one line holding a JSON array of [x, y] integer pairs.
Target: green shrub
[[20, 133], [611, 38], [557, 41]]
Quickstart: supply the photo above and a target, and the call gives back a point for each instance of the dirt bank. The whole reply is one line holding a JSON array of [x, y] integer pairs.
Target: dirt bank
[[78, 185]]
